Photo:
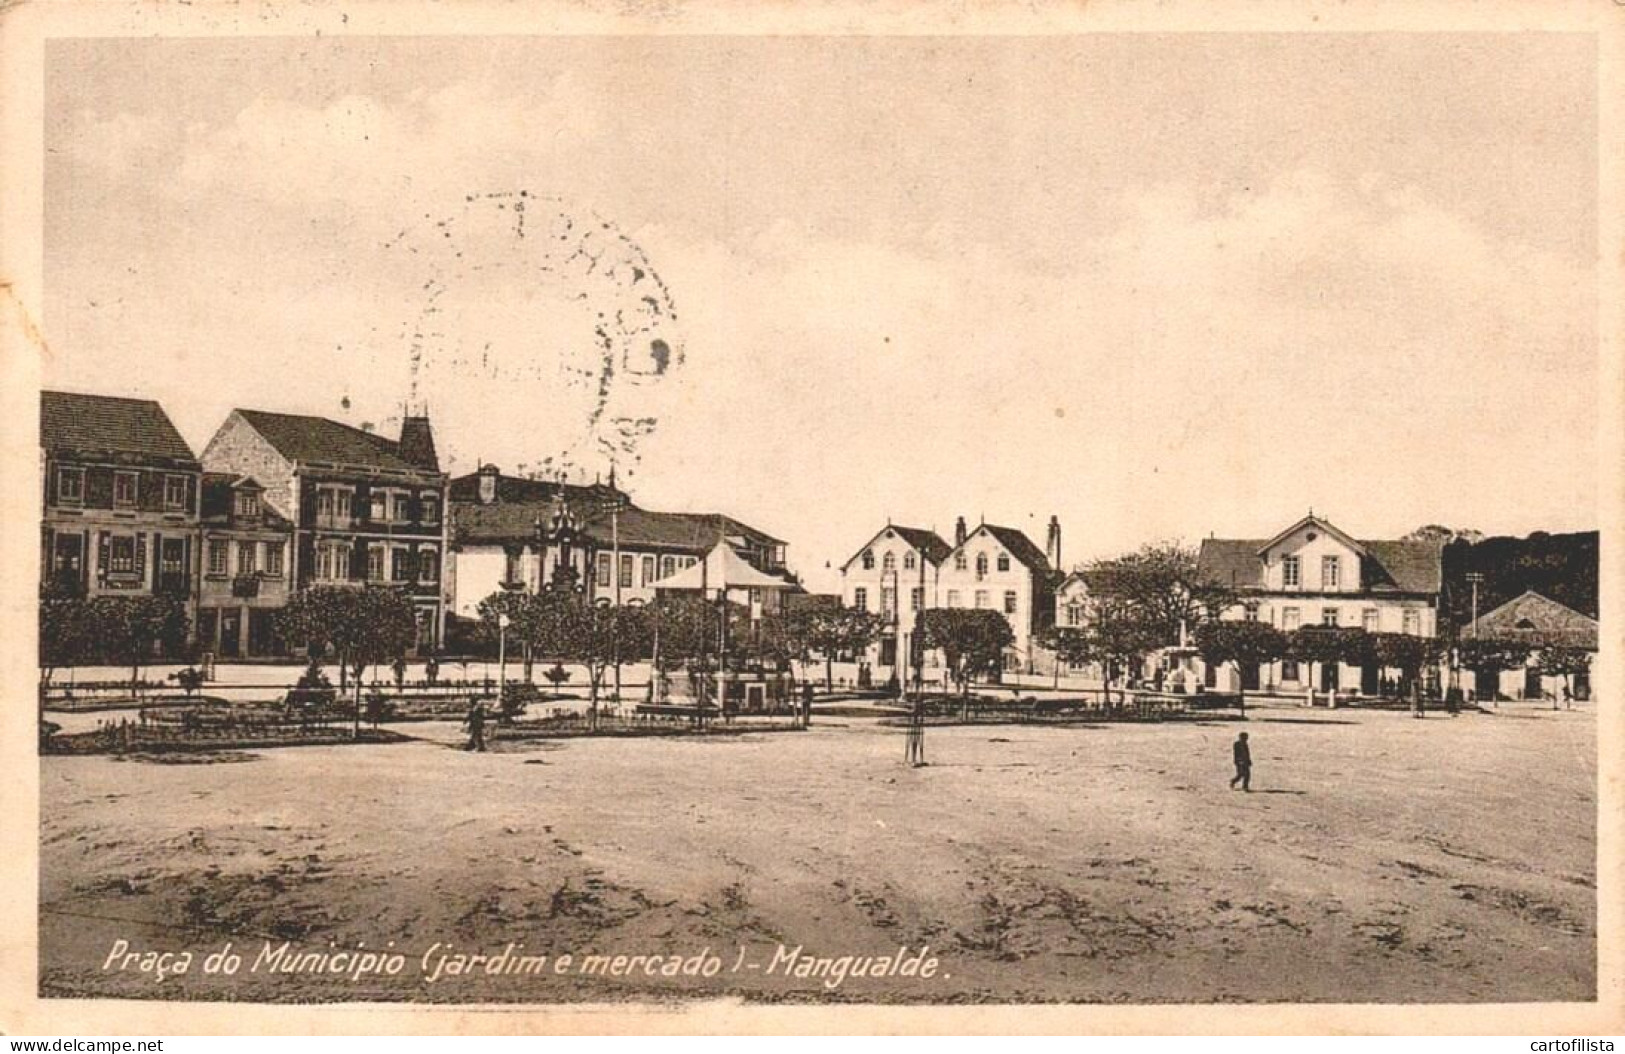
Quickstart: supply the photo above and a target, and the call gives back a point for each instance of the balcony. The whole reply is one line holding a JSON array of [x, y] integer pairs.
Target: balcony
[[246, 586]]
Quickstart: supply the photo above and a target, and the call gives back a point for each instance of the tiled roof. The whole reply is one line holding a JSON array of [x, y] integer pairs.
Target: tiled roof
[[929, 543], [674, 530], [300, 437], [517, 489], [1021, 547], [1400, 567], [1535, 616], [521, 503], [105, 423]]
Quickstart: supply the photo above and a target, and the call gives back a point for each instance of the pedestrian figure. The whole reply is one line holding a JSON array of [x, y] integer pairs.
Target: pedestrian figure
[[914, 751], [806, 704], [1244, 764], [476, 727]]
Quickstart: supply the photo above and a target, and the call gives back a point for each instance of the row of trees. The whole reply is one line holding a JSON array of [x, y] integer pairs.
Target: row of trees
[[111, 630], [673, 632], [1153, 598]]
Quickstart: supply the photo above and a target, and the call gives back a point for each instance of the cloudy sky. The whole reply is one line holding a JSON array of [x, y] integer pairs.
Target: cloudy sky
[[1160, 286]]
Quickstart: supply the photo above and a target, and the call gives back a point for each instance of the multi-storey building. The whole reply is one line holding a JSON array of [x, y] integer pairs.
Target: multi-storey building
[[121, 491], [904, 570], [895, 575], [363, 508], [1313, 573], [246, 546], [1002, 569], [509, 532]]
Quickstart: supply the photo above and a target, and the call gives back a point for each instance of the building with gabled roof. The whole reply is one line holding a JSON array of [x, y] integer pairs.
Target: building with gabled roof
[[509, 532], [895, 574], [902, 571], [1001, 568], [1536, 622], [363, 508], [120, 498], [1315, 573]]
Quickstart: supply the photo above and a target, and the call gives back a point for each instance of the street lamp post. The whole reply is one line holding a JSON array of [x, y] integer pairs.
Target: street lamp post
[[1476, 578], [502, 659]]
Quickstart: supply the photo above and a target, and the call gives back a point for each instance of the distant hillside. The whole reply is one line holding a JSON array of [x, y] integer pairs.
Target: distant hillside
[[1561, 566]]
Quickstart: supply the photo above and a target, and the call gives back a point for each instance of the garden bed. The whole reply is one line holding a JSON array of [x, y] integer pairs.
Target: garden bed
[[114, 740]]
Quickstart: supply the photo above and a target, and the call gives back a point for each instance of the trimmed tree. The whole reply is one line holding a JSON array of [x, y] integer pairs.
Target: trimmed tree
[[972, 642], [596, 635], [525, 611], [1072, 645], [1493, 654], [364, 626], [65, 633], [1240, 644], [1404, 652], [841, 630], [130, 630], [1565, 661]]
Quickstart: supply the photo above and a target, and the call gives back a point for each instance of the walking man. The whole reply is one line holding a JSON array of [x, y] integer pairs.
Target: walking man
[[476, 727], [1244, 764], [914, 747]]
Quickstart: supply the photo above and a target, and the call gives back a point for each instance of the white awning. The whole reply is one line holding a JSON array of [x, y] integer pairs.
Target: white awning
[[722, 568]]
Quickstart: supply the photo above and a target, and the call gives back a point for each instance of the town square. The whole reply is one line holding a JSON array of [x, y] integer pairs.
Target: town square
[[799, 522]]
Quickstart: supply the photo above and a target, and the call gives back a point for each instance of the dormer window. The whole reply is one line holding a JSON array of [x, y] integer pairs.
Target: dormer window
[[248, 505]]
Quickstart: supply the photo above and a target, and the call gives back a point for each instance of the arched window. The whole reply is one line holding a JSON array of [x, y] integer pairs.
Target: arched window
[[868, 560], [888, 562], [981, 564], [908, 560]]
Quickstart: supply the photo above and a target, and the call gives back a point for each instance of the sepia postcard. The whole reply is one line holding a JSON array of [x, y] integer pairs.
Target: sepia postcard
[[694, 517]]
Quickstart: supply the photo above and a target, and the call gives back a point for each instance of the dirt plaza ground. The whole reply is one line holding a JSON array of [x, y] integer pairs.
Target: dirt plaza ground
[[1379, 858]]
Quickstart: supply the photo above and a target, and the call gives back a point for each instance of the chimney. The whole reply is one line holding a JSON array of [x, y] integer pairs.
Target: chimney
[[488, 483], [417, 444], [1052, 542], [959, 532]]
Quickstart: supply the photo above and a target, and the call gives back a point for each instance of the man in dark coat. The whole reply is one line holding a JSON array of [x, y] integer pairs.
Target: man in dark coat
[[1244, 763], [476, 728]]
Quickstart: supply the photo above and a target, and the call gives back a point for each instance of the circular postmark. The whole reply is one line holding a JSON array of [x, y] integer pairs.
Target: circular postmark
[[542, 330]]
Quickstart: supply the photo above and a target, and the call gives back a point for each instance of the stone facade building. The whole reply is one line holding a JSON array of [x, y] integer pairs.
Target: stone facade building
[[362, 508]]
